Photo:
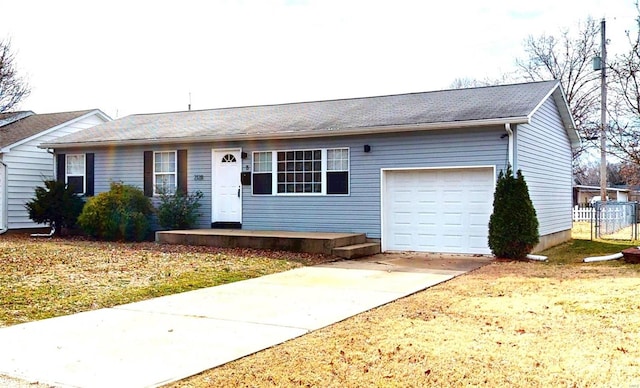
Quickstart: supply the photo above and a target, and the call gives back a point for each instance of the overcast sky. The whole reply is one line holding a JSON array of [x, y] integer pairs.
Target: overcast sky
[[135, 56]]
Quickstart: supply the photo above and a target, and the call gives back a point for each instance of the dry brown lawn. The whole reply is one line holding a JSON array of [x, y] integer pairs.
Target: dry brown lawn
[[507, 324], [43, 278], [583, 231]]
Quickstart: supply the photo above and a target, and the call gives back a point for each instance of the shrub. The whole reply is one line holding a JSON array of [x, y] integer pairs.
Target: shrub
[[55, 204], [122, 213], [179, 210], [513, 225]]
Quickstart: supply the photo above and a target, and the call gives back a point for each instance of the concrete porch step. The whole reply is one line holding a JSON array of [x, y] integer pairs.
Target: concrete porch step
[[357, 250], [310, 242]]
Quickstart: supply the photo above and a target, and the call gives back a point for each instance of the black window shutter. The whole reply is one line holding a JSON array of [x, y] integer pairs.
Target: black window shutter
[[89, 162], [148, 173], [182, 171], [61, 165]]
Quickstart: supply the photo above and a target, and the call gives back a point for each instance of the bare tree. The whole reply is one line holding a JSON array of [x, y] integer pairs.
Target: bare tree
[[588, 174], [13, 88], [568, 58], [630, 172], [467, 82], [624, 110]]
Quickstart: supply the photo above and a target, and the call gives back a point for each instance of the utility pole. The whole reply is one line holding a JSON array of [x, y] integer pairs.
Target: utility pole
[[603, 113]]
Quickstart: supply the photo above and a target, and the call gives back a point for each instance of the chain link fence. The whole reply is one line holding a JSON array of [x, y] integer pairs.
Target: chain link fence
[[614, 221]]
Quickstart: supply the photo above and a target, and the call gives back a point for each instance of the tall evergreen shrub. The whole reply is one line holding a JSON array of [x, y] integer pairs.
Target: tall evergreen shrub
[[513, 225], [55, 204]]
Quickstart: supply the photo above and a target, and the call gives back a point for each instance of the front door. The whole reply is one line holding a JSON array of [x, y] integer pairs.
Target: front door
[[227, 191]]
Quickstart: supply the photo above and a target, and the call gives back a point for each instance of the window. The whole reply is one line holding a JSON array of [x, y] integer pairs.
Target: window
[[301, 171], [228, 158], [164, 172], [75, 172], [338, 171], [262, 166]]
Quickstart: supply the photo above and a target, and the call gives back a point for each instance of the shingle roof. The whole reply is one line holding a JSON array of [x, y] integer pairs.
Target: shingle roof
[[33, 124], [506, 102]]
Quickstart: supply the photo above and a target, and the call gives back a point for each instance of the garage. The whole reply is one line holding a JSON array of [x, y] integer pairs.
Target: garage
[[437, 210]]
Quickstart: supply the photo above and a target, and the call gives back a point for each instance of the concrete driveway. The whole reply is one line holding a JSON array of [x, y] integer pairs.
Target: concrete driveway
[[161, 340]]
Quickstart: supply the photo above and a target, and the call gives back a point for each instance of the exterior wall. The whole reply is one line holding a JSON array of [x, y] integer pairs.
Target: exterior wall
[[27, 166], [3, 197], [544, 155], [552, 239], [126, 165], [357, 212], [360, 210]]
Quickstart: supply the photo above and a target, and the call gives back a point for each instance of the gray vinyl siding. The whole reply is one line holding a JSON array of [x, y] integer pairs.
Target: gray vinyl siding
[[359, 211], [126, 165], [28, 165], [544, 156]]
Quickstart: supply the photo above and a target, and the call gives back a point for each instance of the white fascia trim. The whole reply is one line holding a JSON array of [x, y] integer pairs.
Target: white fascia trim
[[568, 122], [295, 135], [543, 100], [561, 100], [96, 112]]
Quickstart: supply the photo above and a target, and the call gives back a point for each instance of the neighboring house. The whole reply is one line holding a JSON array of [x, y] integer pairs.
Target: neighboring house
[[416, 170], [584, 194], [23, 165]]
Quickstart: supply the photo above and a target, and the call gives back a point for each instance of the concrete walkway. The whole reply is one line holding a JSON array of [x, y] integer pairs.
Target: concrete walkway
[[154, 342]]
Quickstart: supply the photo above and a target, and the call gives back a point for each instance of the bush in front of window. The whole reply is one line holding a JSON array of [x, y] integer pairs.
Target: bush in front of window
[[513, 225], [55, 204], [123, 213], [178, 210]]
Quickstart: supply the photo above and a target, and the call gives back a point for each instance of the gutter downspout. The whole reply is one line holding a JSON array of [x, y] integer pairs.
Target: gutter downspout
[[4, 215], [507, 127]]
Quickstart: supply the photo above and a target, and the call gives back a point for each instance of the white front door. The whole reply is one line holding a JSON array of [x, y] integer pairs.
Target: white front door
[[226, 187]]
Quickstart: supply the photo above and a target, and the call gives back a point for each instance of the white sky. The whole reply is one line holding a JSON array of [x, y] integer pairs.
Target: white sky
[[138, 56]]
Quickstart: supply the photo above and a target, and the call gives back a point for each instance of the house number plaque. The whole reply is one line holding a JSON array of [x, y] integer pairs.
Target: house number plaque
[[198, 177]]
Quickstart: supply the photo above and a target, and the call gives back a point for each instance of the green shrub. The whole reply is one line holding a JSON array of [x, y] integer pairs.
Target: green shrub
[[513, 225], [122, 213], [55, 204], [179, 210]]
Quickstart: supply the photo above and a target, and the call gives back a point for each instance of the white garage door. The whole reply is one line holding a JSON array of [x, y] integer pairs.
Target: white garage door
[[442, 210]]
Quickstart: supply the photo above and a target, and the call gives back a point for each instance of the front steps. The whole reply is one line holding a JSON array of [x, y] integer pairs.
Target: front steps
[[357, 250], [345, 245]]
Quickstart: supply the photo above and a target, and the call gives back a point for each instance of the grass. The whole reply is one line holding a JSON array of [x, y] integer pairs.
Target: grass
[[575, 251], [43, 278], [522, 324], [508, 324]]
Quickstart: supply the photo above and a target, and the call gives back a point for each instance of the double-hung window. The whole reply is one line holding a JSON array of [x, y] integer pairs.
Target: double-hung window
[[165, 172], [338, 171], [303, 172], [75, 172], [262, 173]]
